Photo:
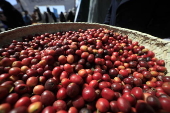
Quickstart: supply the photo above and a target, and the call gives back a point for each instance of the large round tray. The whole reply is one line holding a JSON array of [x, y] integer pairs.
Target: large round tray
[[157, 45]]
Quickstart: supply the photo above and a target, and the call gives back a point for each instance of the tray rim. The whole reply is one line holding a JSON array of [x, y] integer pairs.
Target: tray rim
[[116, 27], [124, 30]]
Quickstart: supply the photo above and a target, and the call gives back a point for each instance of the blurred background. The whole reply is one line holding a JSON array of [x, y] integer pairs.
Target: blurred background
[[40, 11], [148, 16], [50, 11]]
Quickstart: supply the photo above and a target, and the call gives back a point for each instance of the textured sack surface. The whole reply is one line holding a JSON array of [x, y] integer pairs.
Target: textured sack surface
[[160, 47]]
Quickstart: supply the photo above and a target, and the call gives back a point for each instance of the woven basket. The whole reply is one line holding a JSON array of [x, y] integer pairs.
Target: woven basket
[[160, 47]]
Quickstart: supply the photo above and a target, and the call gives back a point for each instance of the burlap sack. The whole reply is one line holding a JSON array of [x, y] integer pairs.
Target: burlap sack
[[160, 47]]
